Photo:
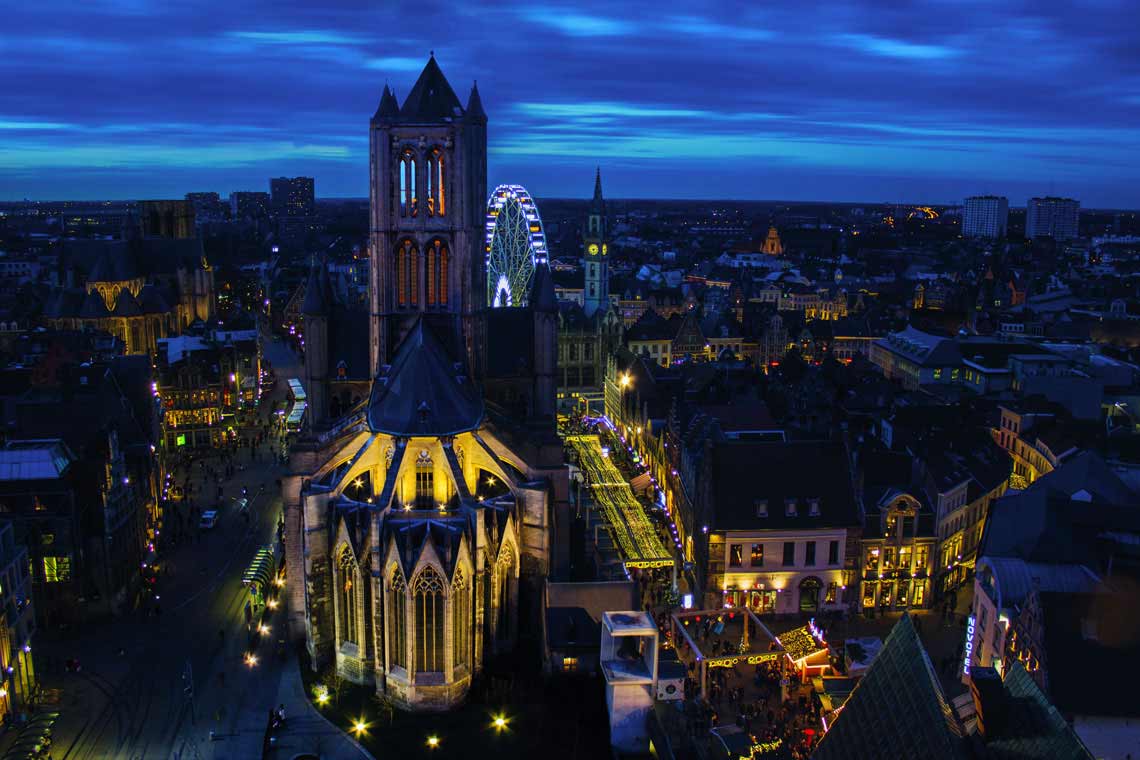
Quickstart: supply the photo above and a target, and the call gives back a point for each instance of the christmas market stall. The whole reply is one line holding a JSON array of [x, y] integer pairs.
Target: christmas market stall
[[723, 638], [806, 649]]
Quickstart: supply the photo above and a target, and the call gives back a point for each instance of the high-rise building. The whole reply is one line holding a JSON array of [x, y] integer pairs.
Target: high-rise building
[[985, 216], [597, 253], [292, 196], [208, 207], [249, 205], [1058, 218]]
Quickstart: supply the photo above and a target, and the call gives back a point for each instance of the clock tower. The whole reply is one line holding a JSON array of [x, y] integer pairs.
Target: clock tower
[[596, 254]]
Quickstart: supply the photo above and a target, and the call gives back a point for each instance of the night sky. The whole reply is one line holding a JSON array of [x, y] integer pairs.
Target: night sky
[[866, 101]]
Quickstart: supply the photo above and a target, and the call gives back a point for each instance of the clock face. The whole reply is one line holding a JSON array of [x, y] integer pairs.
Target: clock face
[[593, 249], [605, 249]]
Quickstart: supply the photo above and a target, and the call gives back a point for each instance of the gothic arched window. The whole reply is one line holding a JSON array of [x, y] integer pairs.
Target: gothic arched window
[[408, 201], [407, 274], [504, 570], [398, 621], [349, 608], [438, 259], [435, 183], [425, 480], [428, 598], [461, 621]]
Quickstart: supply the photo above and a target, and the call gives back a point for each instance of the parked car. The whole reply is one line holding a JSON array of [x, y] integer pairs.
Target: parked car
[[209, 519]]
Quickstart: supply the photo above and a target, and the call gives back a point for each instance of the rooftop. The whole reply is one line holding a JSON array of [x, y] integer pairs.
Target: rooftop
[[46, 459]]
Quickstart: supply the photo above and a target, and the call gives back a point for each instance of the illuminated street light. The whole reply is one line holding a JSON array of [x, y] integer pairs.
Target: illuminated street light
[[433, 742], [263, 629], [271, 604], [322, 697], [626, 380], [250, 659], [359, 727], [500, 723]]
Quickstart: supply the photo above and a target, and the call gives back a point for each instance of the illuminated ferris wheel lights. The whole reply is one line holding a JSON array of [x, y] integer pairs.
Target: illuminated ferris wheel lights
[[515, 243]]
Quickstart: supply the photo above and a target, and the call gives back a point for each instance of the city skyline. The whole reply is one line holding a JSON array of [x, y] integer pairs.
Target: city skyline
[[931, 103]]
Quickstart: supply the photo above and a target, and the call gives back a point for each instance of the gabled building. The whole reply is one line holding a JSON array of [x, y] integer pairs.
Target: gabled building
[[774, 533]]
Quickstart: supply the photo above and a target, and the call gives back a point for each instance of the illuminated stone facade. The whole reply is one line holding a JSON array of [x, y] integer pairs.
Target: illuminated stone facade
[[415, 520]]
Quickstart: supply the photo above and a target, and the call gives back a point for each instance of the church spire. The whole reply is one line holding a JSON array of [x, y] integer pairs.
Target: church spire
[[388, 109], [475, 110], [598, 204]]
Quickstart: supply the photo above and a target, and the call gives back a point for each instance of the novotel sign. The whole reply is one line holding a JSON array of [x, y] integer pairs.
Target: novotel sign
[[969, 645]]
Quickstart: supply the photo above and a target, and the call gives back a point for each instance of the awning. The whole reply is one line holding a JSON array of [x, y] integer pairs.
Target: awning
[[262, 569], [643, 482]]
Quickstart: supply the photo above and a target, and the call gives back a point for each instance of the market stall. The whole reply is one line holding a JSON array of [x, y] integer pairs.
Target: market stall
[[723, 639]]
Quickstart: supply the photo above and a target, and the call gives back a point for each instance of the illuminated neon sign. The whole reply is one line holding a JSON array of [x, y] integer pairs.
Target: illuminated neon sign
[[969, 645]]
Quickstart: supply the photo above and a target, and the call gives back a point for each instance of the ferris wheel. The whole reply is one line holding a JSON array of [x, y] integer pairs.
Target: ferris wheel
[[515, 243]]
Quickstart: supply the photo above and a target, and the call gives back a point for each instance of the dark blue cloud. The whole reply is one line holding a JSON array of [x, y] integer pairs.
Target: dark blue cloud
[[840, 100]]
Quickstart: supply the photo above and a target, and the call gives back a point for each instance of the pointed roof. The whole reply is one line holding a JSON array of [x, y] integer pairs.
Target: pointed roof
[[897, 710], [126, 305], [151, 300], [318, 292], [424, 392], [388, 109], [431, 98], [542, 296], [475, 110], [93, 307], [598, 204]]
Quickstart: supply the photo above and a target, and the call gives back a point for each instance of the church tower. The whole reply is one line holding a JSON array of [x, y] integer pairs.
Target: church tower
[[596, 253], [315, 312], [428, 189]]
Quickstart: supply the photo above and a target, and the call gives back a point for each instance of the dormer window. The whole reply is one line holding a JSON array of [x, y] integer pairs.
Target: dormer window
[[790, 508], [813, 507], [761, 507]]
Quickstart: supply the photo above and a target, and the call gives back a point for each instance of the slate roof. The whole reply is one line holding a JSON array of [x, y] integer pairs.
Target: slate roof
[[388, 109], [510, 342], [345, 344], [744, 472], [1043, 523], [1016, 578], [114, 265], [412, 535], [151, 300], [1033, 728], [431, 98], [898, 710], [424, 391], [65, 303], [475, 110], [126, 305], [93, 307], [318, 291], [922, 348]]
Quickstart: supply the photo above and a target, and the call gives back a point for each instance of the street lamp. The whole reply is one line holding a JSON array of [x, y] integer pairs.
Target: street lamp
[[250, 659], [359, 727], [500, 723], [433, 742]]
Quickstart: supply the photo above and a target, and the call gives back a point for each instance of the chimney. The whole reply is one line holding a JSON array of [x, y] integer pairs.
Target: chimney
[[989, 701]]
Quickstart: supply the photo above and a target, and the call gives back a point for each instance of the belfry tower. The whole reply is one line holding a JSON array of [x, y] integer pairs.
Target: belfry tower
[[428, 189], [596, 253]]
